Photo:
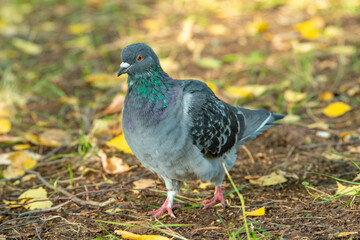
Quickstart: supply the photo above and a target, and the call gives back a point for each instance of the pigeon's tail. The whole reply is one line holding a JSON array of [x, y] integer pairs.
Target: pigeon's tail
[[256, 122]]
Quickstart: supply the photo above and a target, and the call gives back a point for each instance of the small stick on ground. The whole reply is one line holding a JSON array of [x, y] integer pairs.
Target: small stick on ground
[[309, 147], [66, 193]]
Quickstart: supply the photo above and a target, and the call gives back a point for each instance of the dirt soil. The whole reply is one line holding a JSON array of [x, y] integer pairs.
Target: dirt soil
[[290, 211]]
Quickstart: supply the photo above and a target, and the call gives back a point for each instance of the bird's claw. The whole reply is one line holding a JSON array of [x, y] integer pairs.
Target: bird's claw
[[218, 197], [164, 208]]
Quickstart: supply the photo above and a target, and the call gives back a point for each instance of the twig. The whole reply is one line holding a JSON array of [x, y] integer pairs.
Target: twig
[[66, 193], [52, 152], [248, 153], [45, 210], [309, 147], [15, 219]]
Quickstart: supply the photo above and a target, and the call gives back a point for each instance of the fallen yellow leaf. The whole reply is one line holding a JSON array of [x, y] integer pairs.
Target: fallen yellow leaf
[[256, 26], [79, 28], [326, 96], [238, 92], [212, 86], [204, 185], [19, 160], [271, 179], [291, 118], [27, 46], [345, 234], [293, 97], [133, 236], [35, 194], [336, 109], [344, 190], [257, 212], [14, 204], [120, 143], [5, 125], [19, 147], [311, 29]]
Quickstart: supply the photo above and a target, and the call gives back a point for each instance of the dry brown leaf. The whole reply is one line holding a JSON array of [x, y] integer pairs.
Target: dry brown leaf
[[50, 138], [113, 165], [332, 157], [107, 126], [271, 179], [4, 113], [319, 125], [116, 105], [7, 138], [357, 178], [143, 183], [354, 150]]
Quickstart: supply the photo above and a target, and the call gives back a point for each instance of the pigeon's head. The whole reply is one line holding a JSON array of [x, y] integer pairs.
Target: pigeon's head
[[138, 58]]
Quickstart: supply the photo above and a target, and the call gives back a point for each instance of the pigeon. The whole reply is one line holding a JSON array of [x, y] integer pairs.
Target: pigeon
[[179, 129]]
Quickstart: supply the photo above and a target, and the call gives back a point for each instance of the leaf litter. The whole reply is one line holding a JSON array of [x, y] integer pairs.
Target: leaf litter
[[282, 47]]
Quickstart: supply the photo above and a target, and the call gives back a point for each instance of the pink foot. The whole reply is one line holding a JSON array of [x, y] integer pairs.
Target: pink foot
[[166, 207], [218, 197]]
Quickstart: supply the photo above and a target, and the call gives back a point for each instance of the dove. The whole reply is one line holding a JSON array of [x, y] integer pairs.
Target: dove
[[179, 129]]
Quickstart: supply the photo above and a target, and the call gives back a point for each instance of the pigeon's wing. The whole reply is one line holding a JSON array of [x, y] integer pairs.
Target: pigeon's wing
[[256, 122], [214, 125]]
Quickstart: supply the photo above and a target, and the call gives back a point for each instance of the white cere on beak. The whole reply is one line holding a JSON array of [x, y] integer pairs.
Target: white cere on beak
[[124, 65]]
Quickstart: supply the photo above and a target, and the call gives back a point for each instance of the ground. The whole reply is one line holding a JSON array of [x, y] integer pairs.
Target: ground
[[59, 62]]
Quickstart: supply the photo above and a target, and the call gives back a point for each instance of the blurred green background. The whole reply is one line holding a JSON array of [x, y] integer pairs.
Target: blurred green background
[[60, 58]]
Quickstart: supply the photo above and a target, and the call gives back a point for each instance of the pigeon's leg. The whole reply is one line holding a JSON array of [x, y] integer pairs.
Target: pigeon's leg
[[172, 187], [218, 197]]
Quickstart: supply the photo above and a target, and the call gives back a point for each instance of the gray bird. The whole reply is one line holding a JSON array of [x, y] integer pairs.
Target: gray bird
[[179, 129]]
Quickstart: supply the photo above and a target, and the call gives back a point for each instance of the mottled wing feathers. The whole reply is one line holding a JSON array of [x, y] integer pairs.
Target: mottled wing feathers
[[214, 126]]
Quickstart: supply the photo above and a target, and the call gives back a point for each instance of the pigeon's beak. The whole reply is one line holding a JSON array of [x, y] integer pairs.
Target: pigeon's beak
[[124, 66]]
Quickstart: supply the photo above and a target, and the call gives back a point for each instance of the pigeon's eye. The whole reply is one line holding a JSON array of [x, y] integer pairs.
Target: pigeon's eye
[[140, 58]]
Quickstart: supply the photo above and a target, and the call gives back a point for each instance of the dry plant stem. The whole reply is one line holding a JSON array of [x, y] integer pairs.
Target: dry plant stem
[[249, 153], [309, 147], [66, 193]]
